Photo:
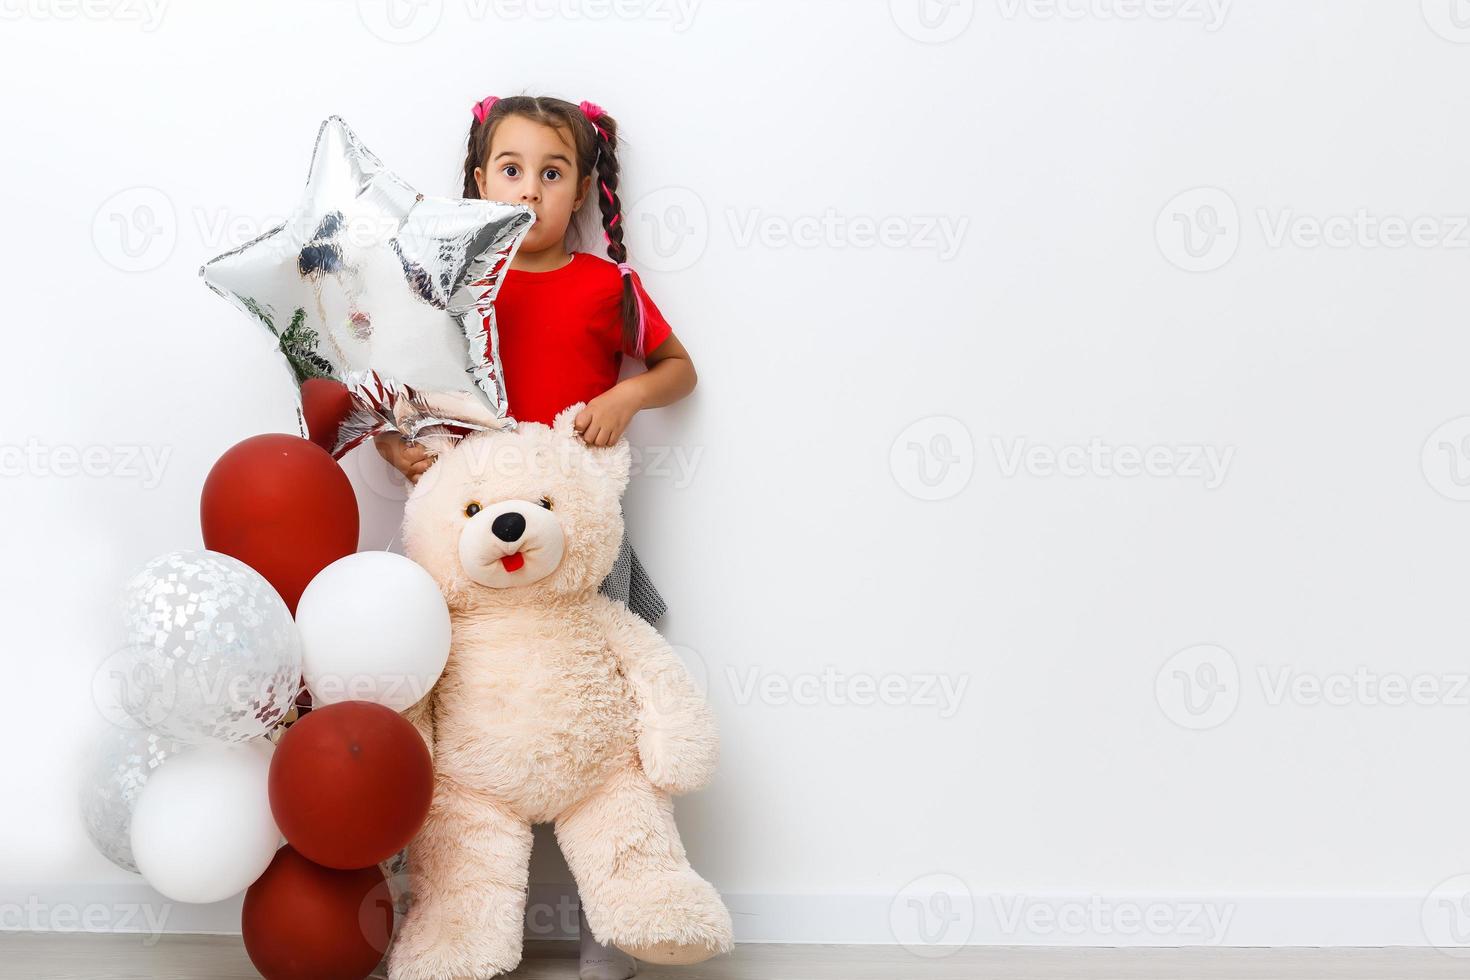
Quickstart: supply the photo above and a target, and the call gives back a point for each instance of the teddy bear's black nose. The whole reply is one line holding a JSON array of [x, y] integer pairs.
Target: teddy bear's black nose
[[509, 526]]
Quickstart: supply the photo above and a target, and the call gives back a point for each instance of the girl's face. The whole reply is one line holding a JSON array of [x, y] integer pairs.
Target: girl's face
[[534, 164]]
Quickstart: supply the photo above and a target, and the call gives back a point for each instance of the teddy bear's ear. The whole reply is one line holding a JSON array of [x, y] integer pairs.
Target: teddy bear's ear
[[562, 424], [615, 461]]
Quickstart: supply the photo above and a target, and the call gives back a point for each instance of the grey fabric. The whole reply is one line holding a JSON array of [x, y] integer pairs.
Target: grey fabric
[[629, 584]]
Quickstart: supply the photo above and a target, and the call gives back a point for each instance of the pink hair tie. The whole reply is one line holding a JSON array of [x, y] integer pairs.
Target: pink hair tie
[[627, 271], [594, 112], [483, 107]]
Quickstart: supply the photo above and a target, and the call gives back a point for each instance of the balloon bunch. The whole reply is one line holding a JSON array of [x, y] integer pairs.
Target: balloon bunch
[[257, 696]]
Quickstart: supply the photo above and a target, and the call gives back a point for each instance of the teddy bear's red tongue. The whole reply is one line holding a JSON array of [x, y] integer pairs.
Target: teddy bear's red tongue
[[513, 562]]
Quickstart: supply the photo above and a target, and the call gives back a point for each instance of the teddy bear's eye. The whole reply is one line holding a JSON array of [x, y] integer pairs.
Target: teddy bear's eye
[[471, 509], [546, 502]]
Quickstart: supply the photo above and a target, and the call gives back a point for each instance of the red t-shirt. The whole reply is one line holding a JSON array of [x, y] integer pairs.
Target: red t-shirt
[[561, 335]]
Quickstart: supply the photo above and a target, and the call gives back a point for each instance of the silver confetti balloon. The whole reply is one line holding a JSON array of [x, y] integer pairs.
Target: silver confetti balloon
[[372, 284], [118, 765], [212, 652]]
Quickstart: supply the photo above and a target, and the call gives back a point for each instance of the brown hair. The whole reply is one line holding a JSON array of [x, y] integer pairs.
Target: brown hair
[[595, 141]]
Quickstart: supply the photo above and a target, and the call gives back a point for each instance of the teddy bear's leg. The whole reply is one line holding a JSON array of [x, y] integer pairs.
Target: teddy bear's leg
[[637, 887], [467, 872]]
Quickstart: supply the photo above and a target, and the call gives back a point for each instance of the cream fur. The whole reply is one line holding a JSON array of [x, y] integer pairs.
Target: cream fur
[[557, 705]]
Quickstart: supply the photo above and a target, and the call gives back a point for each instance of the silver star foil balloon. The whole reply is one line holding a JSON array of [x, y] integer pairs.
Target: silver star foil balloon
[[372, 284], [212, 653], [117, 766]]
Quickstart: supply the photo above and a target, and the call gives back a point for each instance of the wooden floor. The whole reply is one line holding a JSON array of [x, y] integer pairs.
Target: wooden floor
[[51, 956]]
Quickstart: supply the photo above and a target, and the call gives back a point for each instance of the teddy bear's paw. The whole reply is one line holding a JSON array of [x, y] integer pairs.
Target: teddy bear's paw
[[675, 920], [428, 949], [451, 963]]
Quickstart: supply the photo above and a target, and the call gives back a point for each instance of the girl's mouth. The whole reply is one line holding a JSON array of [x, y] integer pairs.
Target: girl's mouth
[[513, 562]]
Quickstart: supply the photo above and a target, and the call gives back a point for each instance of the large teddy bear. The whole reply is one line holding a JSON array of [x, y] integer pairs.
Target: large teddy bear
[[558, 704]]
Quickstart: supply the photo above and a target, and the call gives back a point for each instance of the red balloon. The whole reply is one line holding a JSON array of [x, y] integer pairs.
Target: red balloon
[[325, 403], [281, 505], [350, 784], [302, 921]]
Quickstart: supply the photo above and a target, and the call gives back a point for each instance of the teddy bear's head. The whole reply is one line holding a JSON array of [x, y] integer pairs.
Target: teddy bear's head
[[507, 517]]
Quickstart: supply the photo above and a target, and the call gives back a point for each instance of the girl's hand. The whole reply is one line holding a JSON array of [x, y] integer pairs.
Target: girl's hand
[[605, 418], [412, 461]]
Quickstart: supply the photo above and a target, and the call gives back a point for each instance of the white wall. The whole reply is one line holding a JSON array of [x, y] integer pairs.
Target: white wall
[[1071, 775]]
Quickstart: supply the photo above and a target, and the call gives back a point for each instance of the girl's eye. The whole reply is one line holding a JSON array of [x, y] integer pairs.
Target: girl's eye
[[511, 170], [471, 509], [546, 502], [551, 175]]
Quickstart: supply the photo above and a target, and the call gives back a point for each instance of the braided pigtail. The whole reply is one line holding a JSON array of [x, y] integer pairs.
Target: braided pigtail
[[611, 206]]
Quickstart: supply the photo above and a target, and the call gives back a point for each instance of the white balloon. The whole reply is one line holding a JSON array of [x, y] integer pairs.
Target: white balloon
[[374, 627], [202, 829]]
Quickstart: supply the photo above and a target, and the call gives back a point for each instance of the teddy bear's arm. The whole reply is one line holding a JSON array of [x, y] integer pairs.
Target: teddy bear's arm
[[421, 716], [677, 740]]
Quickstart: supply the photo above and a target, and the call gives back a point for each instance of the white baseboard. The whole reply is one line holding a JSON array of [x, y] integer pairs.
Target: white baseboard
[[916, 920]]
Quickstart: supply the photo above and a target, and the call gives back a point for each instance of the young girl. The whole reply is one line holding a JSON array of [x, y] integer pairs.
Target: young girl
[[567, 318]]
